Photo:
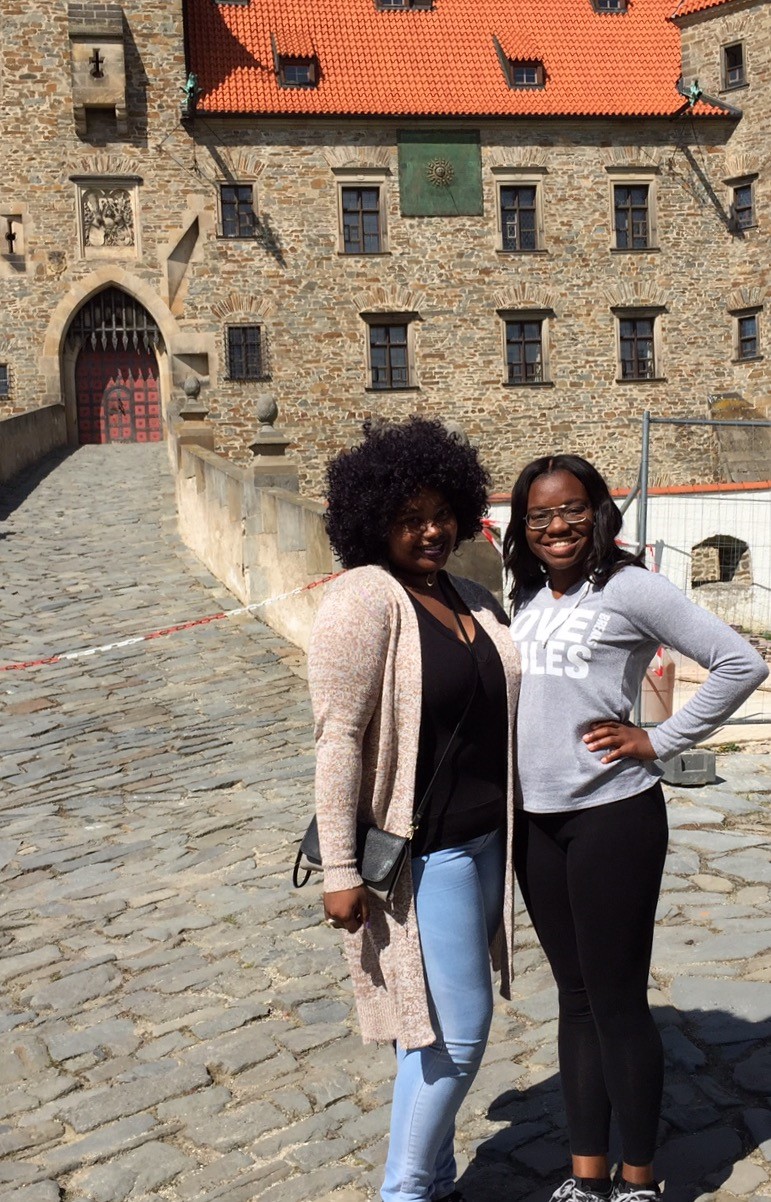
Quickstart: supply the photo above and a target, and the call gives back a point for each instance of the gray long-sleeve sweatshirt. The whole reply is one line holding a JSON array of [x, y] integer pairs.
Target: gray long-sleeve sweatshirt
[[584, 657]]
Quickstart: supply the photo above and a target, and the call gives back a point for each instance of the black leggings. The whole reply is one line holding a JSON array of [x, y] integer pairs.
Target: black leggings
[[590, 879]]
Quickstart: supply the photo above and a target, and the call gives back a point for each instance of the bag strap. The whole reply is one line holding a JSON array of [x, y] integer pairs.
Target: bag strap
[[421, 808]]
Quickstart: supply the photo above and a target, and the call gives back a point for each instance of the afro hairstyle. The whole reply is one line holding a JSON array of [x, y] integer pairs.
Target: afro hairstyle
[[368, 485]]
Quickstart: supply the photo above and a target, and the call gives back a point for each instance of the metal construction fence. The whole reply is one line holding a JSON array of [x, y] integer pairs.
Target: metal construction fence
[[712, 540]]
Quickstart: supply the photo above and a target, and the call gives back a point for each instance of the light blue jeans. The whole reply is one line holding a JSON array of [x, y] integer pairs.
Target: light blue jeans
[[458, 899]]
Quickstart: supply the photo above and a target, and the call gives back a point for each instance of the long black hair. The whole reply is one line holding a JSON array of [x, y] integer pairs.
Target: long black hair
[[368, 484], [605, 556]]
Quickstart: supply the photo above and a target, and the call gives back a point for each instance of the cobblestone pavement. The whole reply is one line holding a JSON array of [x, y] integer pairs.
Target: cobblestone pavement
[[175, 1021]]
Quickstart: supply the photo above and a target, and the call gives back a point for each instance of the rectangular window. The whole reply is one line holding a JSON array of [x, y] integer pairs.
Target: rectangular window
[[389, 355], [237, 210], [361, 221], [404, 4], [524, 352], [734, 74], [630, 216], [525, 75], [5, 384], [636, 343], [747, 336], [519, 217], [297, 72], [245, 353], [742, 206], [610, 6]]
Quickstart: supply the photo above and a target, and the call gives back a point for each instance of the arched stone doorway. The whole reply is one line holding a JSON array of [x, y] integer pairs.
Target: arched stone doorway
[[114, 341]]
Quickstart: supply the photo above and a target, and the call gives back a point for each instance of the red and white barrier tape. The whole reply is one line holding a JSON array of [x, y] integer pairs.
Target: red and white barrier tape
[[488, 526], [84, 652]]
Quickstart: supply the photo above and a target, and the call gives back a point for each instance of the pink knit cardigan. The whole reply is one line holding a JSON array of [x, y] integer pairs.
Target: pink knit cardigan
[[365, 677]]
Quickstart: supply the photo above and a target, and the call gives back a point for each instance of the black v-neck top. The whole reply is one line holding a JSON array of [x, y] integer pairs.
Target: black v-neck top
[[469, 795]]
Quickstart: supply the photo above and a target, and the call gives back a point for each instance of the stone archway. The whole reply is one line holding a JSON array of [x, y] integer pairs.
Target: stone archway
[[111, 343], [59, 357]]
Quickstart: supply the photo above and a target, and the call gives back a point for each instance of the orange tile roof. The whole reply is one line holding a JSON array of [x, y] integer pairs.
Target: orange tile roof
[[686, 7], [439, 62]]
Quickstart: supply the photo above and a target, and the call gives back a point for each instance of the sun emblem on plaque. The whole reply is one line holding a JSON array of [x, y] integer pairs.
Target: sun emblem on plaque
[[440, 173]]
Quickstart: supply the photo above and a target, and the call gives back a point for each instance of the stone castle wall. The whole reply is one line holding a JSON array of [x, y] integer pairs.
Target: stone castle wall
[[446, 271]]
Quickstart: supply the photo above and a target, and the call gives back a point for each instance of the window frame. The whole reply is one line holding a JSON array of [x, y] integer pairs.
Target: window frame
[[640, 313], [752, 313], [295, 60], [626, 177], [520, 64], [391, 320], [221, 184], [734, 186], [515, 177], [727, 85], [247, 377], [620, 6], [402, 5], [523, 317], [5, 381], [362, 179]]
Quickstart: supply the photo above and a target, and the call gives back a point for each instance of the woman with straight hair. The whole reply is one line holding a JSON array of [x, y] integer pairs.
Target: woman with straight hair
[[591, 825], [414, 680]]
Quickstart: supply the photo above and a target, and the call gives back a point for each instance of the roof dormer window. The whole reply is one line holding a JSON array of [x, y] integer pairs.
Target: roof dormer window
[[297, 72], [525, 74], [610, 6], [396, 4]]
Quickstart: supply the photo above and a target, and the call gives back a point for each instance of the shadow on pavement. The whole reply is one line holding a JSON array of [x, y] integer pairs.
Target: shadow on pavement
[[15, 492], [714, 1114]]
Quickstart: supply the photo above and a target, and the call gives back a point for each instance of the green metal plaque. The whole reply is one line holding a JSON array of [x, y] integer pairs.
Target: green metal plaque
[[440, 173]]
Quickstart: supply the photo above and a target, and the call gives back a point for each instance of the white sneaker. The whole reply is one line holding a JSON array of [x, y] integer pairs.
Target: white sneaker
[[571, 1191], [623, 1192]]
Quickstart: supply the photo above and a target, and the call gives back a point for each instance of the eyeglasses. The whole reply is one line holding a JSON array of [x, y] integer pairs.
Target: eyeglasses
[[539, 519], [412, 524]]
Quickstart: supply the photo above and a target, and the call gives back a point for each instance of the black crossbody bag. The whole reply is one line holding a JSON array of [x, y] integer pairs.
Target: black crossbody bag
[[381, 855]]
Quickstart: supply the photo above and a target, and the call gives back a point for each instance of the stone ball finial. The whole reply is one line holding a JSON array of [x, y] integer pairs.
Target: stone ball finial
[[267, 411], [456, 429], [191, 386]]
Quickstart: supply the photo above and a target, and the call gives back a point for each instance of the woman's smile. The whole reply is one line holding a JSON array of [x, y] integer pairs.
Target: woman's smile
[[560, 545]]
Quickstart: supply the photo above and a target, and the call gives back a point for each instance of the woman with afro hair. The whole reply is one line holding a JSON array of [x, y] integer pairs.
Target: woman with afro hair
[[400, 651]]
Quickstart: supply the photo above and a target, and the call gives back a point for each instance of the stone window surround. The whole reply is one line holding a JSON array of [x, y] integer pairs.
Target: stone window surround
[[14, 216], [742, 181], [14, 263], [544, 317], [241, 182], [725, 86], [242, 324], [393, 317], [640, 312], [512, 177], [628, 177], [737, 316], [362, 177]]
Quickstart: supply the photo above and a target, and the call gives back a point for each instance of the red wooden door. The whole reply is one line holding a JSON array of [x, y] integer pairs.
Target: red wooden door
[[118, 396]]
